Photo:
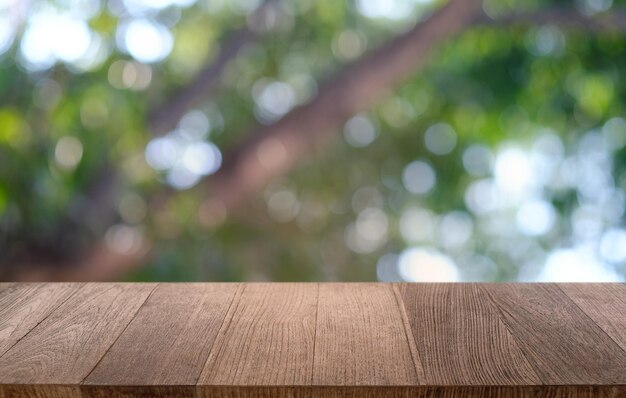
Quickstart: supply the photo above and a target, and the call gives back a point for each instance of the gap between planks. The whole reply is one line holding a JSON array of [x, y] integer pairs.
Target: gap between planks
[[79, 287], [618, 343], [237, 296], [123, 330], [317, 310], [408, 333], [594, 361]]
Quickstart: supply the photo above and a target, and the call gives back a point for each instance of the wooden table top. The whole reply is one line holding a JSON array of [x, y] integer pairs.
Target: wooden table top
[[312, 340]]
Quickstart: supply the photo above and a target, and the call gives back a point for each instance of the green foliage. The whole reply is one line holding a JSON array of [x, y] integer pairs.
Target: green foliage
[[344, 209]]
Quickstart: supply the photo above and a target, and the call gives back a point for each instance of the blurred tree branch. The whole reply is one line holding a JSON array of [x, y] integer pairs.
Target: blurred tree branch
[[269, 151], [97, 207], [353, 89], [360, 85], [165, 116], [306, 128]]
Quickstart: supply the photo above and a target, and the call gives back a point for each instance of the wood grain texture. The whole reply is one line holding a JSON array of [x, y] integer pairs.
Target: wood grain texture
[[561, 342], [170, 338], [312, 392], [137, 391], [604, 303], [360, 337], [23, 306], [460, 337], [267, 338], [414, 392], [40, 391], [313, 340], [66, 346]]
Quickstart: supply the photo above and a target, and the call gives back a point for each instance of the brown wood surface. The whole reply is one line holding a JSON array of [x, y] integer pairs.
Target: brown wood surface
[[361, 339], [65, 346], [561, 342], [605, 304], [267, 338], [170, 338], [24, 306], [312, 340], [416, 392], [461, 339]]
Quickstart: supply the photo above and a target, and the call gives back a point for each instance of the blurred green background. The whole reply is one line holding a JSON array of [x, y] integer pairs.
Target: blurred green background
[[141, 140]]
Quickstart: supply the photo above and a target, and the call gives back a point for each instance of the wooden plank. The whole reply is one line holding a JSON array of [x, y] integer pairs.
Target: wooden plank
[[361, 339], [39, 391], [313, 341], [460, 337], [66, 346], [267, 338], [23, 306], [562, 343], [605, 303], [414, 392], [145, 391], [168, 341], [319, 392]]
